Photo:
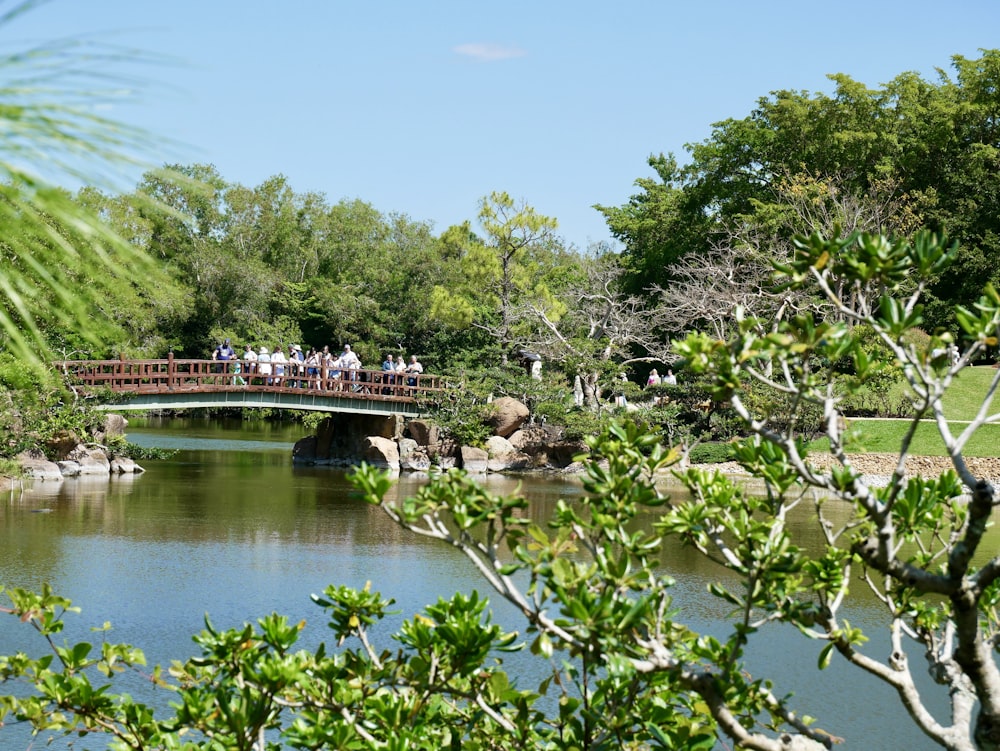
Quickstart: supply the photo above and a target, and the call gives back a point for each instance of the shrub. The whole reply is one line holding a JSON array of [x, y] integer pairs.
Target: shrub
[[711, 453]]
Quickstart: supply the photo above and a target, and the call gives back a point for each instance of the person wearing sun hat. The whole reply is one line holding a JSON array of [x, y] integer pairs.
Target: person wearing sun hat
[[264, 364]]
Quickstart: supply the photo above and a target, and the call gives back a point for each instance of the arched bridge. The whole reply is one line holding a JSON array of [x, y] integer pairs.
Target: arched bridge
[[185, 384]]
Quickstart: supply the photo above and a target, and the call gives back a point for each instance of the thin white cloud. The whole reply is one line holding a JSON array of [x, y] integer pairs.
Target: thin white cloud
[[486, 52]]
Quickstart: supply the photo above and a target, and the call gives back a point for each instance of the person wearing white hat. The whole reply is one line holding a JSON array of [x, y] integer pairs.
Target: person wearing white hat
[[264, 364]]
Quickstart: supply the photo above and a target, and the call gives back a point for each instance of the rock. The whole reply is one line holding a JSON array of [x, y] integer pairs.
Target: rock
[[381, 452], [324, 439], [122, 465], [561, 455], [519, 439], [406, 446], [544, 446], [498, 446], [508, 415], [474, 461], [413, 458], [394, 426], [503, 457], [304, 450], [69, 468], [91, 461], [62, 444], [114, 425], [423, 432], [37, 467]]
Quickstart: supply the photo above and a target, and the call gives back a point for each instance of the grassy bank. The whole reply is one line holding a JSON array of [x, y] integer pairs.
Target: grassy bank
[[961, 404]]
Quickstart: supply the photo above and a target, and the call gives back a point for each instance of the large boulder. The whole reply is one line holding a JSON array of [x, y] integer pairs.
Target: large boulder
[[91, 461], [503, 457], [37, 467], [474, 461], [561, 455], [123, 465], [412, 457], [508, 415], [69, 468], [114, 426], [304, 450], [423, 432], [381, 452]]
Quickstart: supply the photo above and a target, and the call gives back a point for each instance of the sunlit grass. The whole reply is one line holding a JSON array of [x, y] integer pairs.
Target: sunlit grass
[[961, 404], [886, 436], [967, 391]]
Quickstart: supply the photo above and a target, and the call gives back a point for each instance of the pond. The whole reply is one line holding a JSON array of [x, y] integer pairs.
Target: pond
[[228, 528]]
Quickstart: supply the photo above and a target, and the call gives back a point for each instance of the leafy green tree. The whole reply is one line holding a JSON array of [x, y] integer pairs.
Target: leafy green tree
[[366, 277], [913, 541], [513, 267], [658, 225], [910, 153]]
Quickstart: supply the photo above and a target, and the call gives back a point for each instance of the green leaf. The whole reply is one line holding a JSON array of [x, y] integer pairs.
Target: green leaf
[[825, 656]]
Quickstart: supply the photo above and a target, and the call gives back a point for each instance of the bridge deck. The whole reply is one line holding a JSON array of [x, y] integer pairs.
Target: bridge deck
[[182, 384]]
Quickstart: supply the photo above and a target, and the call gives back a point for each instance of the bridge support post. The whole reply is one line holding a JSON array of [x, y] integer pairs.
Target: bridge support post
[[340, 437], [170, 370]]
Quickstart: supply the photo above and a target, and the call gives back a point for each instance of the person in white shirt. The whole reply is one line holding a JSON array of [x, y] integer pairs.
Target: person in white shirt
[[278, 361], [264, 364], [251, 362], [414, 368]]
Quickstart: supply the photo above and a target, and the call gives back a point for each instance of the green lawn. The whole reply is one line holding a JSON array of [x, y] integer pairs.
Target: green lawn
[[885, 436], [961, 403], [967, 392]]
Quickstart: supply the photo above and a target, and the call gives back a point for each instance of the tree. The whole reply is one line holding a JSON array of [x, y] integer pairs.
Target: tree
[[923, 150], [914, 540], [598, 330], [501, 271], [593, 592], [658, 225], [705, 288]]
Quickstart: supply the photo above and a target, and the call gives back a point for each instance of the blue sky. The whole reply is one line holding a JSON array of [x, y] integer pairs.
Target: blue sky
[[422, 108]]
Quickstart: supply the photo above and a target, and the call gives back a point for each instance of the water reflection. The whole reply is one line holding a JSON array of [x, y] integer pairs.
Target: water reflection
[[228, 527]]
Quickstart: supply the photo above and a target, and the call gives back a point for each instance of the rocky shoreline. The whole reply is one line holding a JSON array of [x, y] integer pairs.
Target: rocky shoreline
[[416, 446], [878, 468], [75, 457]]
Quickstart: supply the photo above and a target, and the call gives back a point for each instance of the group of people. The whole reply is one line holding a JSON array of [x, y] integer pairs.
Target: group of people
[[398, 367], [313, 369], [655, 379]]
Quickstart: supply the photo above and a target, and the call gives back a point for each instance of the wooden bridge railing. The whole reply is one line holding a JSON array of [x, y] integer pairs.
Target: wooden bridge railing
[[174, 375]]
